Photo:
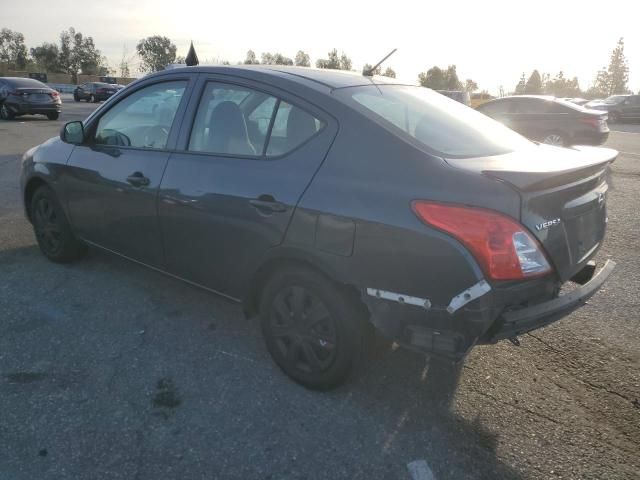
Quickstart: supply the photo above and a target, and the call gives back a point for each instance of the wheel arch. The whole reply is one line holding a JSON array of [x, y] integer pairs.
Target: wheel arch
[[257, 281], [30, 188]]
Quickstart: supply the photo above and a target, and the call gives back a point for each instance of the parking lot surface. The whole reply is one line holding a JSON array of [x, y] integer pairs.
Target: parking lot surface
[[112, 371]]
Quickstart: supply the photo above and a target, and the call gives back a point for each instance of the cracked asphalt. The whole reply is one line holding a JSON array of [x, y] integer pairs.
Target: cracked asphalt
[[111, 371]]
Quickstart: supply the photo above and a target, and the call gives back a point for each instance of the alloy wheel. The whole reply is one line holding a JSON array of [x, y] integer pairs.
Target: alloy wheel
[[46, 225], [304, 330], [554, 139], [5, 114]]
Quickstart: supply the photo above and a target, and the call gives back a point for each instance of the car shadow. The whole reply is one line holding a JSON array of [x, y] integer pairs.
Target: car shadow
[[404, 402]]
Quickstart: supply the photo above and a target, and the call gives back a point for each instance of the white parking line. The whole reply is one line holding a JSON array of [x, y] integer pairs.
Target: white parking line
[[419, 470]]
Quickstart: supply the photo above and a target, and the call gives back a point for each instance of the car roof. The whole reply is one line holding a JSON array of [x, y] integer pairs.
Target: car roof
[[317, 77], [22, 82], [535, 97]]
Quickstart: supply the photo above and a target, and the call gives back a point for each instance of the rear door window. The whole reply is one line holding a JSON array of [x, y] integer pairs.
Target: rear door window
[[240, 121]]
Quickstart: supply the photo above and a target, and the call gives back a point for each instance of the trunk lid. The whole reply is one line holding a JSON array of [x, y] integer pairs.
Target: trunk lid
[[563, 197]]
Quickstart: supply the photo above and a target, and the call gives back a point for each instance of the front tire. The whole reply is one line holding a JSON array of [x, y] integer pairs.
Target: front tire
[[53, 232], [53, 115], [314, 332], [76, 97], [5, 113]]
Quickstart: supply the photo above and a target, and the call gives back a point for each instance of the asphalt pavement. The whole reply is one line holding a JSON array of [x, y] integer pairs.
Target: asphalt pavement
[[112, 371]]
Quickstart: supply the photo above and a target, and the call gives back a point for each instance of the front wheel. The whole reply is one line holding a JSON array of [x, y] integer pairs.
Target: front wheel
[[5, 113], [53, 115], [314, 332], [614, 117], [53, 232]]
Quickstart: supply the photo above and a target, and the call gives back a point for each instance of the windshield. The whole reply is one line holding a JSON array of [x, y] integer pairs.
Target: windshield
[[615, 99], [444, 126]]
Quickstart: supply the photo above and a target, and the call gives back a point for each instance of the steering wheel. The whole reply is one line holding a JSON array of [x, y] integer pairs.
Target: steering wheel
[[156, 136]]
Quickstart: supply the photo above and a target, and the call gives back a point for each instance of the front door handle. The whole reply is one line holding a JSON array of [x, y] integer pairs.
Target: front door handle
[[268, 204], [137, 179]]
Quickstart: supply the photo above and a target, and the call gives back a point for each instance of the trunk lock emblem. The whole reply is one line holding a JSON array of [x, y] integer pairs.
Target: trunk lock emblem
[[548, 224]]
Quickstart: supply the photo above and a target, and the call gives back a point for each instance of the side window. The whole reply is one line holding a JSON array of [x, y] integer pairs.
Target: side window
[[530, 106], [291, 127], [495, 108], [142, 119], [231, 120]]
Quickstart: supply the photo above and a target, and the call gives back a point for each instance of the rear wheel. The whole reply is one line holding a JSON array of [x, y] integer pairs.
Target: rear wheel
[[554, 138], [314, 332], [76, 97], [53, 232], [5, 113], [53, 115]]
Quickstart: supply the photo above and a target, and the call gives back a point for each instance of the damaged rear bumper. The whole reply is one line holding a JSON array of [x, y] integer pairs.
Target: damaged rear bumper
[[516, 322], [479, 315]]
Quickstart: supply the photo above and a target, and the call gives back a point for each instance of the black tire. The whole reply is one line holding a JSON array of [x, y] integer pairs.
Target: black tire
[[315, 332], [53, 115], [614, 117], [53, 232], [5, 113], [76, 97]]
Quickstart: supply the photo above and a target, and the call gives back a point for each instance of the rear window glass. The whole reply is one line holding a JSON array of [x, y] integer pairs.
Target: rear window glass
[[26, 83], [444, 126]]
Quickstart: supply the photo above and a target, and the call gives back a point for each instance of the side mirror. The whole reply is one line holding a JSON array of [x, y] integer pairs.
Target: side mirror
[[73, 132]]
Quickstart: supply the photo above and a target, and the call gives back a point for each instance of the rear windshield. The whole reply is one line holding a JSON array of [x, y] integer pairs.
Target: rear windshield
[[444, 126]]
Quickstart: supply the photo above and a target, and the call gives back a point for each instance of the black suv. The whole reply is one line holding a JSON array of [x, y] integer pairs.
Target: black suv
[[619, 107], [94, 91], [549, 120]]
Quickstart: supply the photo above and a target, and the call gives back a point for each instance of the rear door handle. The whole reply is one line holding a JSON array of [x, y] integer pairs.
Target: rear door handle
[[268, 204], [137, 179]]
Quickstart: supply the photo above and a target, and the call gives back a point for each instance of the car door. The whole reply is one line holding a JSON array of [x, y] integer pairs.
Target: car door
[[631, 107], [112, 179], [248, 151]]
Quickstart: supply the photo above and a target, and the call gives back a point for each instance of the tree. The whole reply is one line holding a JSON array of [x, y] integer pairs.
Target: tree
[[534, 84], [12, 48], [618, 70], [343, 62], [156, 52], [275, 59], [470, 86], [522, 85], [251, 59], [389, 72], [367, 70], [78, 54], [438, 79], [562, 87], [46, 57], [302, 59]]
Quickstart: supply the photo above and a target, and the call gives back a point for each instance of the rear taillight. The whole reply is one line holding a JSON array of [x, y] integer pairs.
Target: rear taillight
[[54, 94], [592, 122], [504, 249]]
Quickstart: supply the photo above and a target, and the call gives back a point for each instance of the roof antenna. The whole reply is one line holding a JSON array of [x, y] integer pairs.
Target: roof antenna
[[369, 73]]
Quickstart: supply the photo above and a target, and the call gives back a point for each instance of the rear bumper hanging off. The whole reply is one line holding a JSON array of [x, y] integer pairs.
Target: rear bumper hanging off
[[517, 322]]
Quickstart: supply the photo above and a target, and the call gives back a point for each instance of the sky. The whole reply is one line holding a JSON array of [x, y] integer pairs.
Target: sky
[[490, 41]]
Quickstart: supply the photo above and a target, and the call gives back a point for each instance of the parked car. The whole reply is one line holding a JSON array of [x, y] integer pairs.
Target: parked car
[[117, 86], [26, 96], [93, 91], [479, 98], [549, 120], [328, 204], [457, 95], [619, 107]]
